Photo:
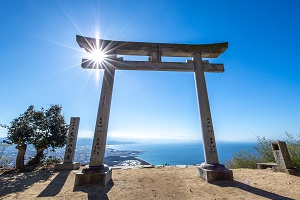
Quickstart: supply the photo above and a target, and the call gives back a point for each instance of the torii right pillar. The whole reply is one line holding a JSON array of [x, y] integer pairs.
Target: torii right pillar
[[211, 170]]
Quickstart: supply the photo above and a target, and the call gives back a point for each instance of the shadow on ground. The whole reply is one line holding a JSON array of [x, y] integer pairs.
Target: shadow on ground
[[253, 190], [12, 183], [95, 191], [56, 184]]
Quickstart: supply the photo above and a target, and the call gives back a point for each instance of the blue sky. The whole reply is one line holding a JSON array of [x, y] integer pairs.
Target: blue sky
[[258, 94]]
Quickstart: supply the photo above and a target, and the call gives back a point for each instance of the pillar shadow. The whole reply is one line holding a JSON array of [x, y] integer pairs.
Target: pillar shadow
[[95, 192], [13, 183], [253, 190], [55, 185]]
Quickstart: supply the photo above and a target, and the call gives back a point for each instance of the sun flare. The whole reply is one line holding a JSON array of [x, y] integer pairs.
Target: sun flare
[[98, 56]]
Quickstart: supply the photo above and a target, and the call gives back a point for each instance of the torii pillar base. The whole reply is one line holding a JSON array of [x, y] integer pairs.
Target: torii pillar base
[[94, 176], [213, 173]]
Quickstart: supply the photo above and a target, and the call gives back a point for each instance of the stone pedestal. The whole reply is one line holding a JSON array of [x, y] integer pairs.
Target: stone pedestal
[[67, 166], [94, 176], [213, 173], [292, 171]]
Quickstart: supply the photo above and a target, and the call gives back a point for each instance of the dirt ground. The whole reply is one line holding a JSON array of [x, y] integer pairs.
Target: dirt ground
[[151, 183]]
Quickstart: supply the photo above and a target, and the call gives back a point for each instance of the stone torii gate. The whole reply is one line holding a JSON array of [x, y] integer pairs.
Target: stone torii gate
[[99, 173]]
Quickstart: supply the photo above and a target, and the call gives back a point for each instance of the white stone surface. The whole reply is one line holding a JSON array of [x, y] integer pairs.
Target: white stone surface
[[67, 166]]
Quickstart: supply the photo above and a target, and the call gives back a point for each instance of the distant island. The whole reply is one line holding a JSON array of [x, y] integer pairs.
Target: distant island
[[89, 141], [113, 142]]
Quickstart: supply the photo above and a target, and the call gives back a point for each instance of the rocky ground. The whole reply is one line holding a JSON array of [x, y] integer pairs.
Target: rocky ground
[[151, 183]]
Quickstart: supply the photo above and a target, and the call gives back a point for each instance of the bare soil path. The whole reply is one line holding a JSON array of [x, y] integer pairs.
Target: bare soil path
[[151, 183]]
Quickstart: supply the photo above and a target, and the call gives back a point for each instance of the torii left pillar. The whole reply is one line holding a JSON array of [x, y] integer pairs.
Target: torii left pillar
[[97, 172], [211, 170]]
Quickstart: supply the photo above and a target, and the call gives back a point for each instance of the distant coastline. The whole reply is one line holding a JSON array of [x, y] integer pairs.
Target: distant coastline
[[130, 153], [113, 157], [86, 141]]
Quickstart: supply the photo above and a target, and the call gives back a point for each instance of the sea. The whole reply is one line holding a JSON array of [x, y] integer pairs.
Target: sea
[[183, 153], [154, 153]]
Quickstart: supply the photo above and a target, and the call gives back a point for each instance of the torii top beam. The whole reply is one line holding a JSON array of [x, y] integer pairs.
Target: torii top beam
[[149, 49]]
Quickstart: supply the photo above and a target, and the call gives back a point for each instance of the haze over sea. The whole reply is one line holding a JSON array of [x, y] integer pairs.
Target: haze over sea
[[154, 153]]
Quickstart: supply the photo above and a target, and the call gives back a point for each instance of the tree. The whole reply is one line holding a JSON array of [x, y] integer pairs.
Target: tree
[[42, 129], [19, 133], [51, 131]]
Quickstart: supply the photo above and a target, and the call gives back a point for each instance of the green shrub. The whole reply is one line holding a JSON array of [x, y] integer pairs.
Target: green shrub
[[263, 153], [52, 160], [242, 159], [294, 148], [264, 149]]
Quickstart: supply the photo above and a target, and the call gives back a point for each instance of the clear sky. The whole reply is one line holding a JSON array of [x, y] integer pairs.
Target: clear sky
[[258, 94]]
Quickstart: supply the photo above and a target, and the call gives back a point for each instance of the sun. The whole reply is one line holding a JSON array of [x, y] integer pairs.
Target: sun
[[97, 56]]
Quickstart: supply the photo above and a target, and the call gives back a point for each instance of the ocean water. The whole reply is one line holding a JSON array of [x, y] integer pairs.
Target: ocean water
[[154, 153], [183, 153]]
